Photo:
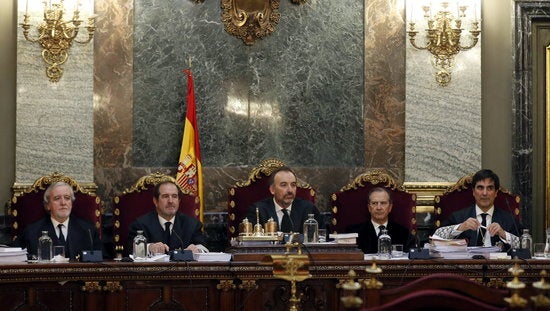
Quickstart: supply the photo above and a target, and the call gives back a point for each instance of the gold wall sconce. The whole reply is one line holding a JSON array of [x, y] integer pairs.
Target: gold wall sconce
[[250, 20], [444, 33], [56, 34]]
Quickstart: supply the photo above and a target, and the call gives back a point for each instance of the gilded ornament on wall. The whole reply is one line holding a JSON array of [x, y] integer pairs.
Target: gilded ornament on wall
[[251, 19]]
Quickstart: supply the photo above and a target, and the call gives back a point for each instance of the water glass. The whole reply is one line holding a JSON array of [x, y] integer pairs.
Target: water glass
[[397, 250], [538, 249], [59, 250], [322, 235]]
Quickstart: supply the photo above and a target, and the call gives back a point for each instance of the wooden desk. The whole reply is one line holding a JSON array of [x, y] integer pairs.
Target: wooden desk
[[216, 286]]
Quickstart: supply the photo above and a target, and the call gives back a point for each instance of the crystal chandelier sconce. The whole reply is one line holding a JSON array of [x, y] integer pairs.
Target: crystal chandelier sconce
[[56, 34], [444, 35]]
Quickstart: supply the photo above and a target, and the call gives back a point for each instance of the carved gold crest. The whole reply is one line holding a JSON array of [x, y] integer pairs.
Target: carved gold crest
[[250, 19]]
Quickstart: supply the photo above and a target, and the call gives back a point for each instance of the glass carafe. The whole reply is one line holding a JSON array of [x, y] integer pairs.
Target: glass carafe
[[311, 230], [384, 245], [45, 247], [527, 241], [140, 245]]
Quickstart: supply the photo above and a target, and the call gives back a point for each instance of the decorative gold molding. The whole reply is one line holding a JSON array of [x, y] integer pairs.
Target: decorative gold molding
[[112, 286], [425, 193], [43, 182], [250, 20], [248, 285], [91, 287], [226, 285], [147, 181], [374, 177]]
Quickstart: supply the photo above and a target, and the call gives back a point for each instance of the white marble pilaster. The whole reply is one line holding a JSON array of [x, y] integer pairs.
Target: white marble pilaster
[[54, 128]]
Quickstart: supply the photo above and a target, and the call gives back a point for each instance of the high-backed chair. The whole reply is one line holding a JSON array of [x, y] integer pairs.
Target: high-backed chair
[[440, 291], [138, 200], [255, 188], [350, 204], [27, 202], [460, 195]]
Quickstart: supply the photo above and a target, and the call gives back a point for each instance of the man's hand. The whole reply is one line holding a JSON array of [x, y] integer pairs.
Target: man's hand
[[193, 248], [158, 248], [495, 228], [469, 224]]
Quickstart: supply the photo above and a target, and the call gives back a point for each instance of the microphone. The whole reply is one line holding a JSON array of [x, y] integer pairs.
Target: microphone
[[518, 233], [180, 254], [91, 255]]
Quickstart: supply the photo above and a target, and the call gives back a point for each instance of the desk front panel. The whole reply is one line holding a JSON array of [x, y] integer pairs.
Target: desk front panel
[[217, 286]]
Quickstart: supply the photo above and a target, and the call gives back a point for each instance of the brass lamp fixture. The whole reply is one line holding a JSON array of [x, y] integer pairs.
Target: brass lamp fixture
[[444, 36], [56, 35]]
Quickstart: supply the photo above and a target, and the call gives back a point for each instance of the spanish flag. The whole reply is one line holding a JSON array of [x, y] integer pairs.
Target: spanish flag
[[189, 175]]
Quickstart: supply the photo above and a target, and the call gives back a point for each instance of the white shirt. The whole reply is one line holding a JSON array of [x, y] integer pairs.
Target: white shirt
[[163, 221], [279, 211], [64, 228], [377, 226]]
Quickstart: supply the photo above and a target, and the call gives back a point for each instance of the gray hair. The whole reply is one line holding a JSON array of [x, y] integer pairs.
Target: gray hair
[[55, 185]]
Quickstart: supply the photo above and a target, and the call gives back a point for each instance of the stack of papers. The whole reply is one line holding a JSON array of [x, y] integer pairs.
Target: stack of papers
[[13, 254], [484, 251], [158, 258], [449, 249], [344, 238], [212, 256]]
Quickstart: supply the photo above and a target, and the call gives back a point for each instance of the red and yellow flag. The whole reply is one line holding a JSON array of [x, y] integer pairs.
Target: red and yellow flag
[[189, 175]]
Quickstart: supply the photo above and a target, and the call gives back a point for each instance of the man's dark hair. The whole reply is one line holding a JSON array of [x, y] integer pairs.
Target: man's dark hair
[[280, 169], [157, 188], [484, 174], [381, 189]]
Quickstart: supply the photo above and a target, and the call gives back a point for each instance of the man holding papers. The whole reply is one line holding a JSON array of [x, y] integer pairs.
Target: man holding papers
[[482, 224]]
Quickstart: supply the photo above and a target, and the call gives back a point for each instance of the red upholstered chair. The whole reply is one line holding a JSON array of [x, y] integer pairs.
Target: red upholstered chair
[[350, 204], [460, 195], [138, 200], [440, 291], [27, 202], [243, 194]]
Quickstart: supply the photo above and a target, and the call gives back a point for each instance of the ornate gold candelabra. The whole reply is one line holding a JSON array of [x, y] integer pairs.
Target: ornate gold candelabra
[[56, 35], [350, 300], [541, 300], [372, 282], [443, 38], [293, 268], [516, 301]]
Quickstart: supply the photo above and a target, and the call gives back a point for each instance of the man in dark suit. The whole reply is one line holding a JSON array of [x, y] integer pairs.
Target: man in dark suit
[[63, 228], [282, 185], [482, 224], [380, 205], [166, 228]]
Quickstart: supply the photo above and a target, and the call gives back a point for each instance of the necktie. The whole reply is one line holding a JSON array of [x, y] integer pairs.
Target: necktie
[[482, 231], [380, 228], [286, 225], [61, 236], [166, 237]]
